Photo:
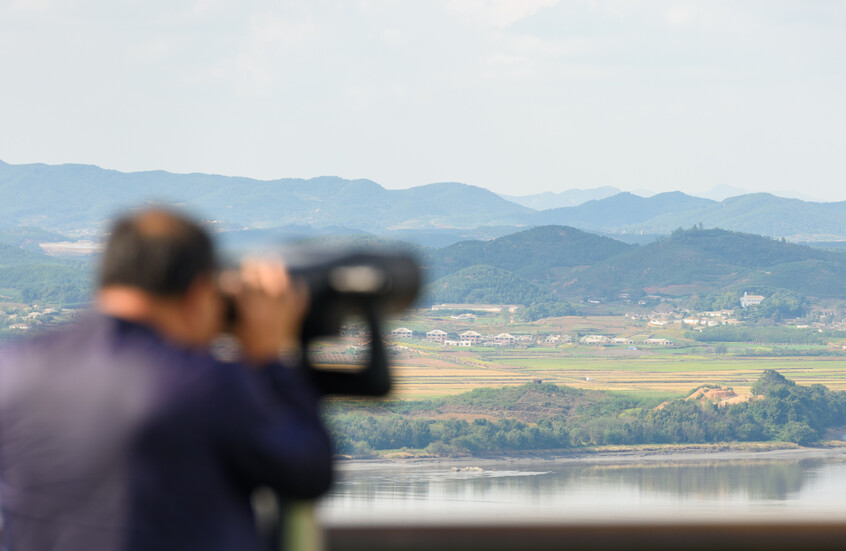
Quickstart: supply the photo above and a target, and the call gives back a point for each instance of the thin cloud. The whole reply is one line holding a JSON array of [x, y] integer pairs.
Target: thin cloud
[[499, 13]]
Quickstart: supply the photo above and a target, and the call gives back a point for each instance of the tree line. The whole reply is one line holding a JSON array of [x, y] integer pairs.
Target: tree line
[[782, 411]]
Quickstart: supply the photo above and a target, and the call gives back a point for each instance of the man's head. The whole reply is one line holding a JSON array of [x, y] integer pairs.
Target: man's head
[[157, 251], [158, 267]]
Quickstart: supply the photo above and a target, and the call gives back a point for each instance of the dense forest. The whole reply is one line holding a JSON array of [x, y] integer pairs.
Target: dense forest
[[545, 416]]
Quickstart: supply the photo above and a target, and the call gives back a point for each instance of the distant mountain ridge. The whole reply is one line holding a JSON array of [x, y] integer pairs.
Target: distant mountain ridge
[[73, 197], [758, 213], [621, 211], [80, 198], [568, 198]]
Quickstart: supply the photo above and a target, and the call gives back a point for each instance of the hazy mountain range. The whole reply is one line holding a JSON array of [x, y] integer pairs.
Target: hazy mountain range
[[80, 198], [568, 198]]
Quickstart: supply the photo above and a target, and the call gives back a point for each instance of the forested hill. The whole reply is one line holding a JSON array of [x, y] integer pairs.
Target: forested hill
[[28, 275], [571, 264], [531, 254], [699, 261]]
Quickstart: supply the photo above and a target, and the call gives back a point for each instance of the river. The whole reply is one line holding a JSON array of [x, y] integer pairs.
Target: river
[[764, 487]]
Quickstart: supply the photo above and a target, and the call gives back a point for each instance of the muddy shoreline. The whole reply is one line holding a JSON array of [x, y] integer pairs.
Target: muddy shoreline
[[628, 456]]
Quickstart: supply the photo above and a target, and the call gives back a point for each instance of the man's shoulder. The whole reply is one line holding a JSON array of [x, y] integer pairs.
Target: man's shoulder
[[122, 345], [91, 331]]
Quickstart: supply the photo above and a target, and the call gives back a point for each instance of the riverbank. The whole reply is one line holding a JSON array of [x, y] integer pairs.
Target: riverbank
[[646, 454]]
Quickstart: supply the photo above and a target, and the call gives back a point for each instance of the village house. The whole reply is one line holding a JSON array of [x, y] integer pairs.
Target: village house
[[594, 339], [402, 333], [436, 335], [466, 316], [748, 300], [718, 313], [491, 308], [472, 337], [658, 342], [622, 340], [505, 339]]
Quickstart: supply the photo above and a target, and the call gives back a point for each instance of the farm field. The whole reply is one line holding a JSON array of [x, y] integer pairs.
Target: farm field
[[427, 376], [425, 369]]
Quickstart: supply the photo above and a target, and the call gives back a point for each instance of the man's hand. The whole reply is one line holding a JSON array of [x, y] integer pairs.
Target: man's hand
[[270, 306]]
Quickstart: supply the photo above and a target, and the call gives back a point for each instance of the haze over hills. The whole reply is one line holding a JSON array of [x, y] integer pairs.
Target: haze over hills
[[620, 212], [80, 198], [75, 197], [759, 213], [568, 198], [764, 214]]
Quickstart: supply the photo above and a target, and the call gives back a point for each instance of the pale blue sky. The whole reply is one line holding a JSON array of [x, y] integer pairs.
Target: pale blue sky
[[517, 97]]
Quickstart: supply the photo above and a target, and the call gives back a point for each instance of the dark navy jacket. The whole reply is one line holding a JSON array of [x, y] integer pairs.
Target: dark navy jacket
[[112, 438]]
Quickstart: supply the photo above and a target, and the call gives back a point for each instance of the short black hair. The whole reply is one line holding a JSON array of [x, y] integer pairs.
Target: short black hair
[[157, 250]]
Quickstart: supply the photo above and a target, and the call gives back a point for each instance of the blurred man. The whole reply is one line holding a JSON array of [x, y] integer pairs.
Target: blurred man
[[123, 432]]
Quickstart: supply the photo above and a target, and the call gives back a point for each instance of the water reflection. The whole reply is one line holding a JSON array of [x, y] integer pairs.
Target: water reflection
[[757, 480], [560, 492]]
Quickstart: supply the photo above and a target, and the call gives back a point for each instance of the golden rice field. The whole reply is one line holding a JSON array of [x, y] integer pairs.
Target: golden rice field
[[428, 376]]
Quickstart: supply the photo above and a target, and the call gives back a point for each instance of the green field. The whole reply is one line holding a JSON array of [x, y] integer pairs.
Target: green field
[[446, 374]]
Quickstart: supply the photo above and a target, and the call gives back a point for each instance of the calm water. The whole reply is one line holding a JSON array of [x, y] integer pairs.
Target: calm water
[[807, 489]]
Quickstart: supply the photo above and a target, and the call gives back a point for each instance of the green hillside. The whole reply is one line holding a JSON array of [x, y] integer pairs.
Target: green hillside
[[565, 262], [484, 284], [707, 261], [46, 283], [15, 255], [531, 254], [30, 276]]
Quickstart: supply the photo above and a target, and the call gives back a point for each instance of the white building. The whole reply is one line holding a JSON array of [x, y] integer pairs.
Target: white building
[[472, 337], [505, 339], [659, 342], [748, 300], [402, 333], [594, 339], [436, 335]]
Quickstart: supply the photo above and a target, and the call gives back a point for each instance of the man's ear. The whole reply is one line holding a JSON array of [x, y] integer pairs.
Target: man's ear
[[198, 293]]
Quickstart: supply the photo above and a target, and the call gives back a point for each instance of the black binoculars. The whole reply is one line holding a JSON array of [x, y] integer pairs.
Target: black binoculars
[[369, 284]]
